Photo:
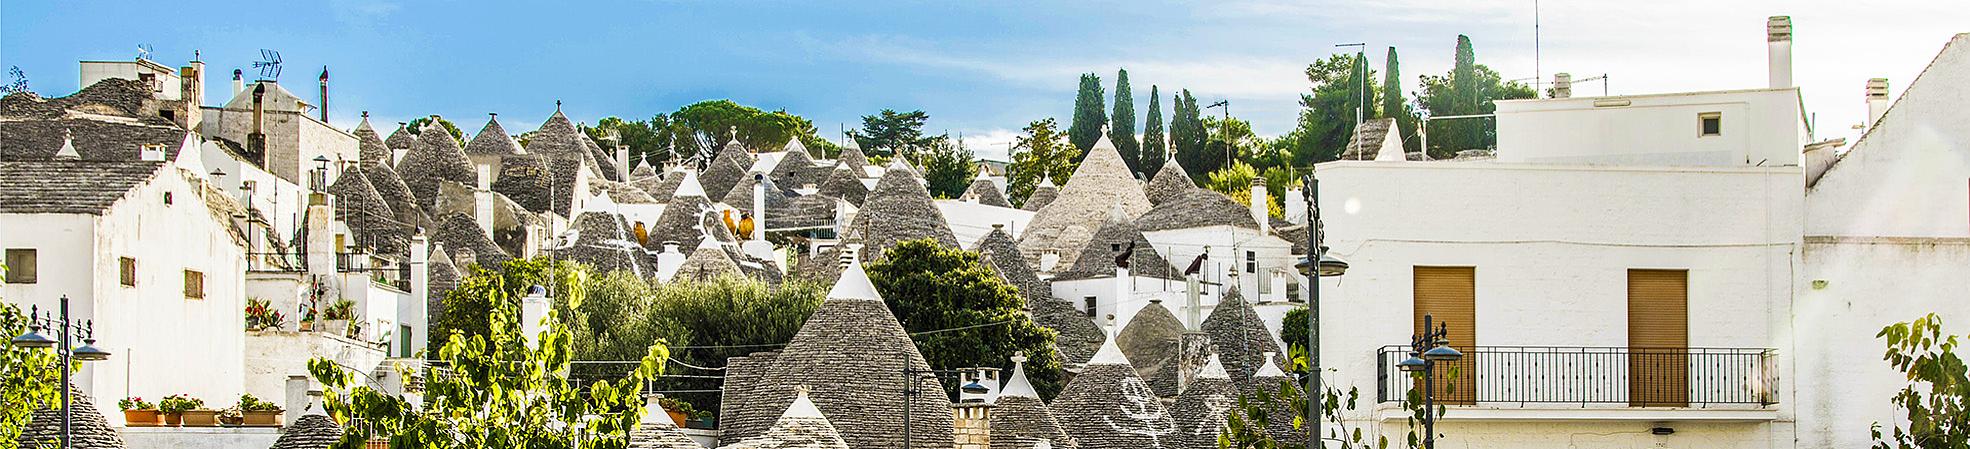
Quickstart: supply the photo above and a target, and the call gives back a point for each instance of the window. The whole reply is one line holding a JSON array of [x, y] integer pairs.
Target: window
[[1251, 262], [1710, 124], [194, 284], [167, 198], [21, 266], [126, 269], [1088, 302]]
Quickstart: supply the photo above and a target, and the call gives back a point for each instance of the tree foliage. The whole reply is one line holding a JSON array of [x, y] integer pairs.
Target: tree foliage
[[417, 125], [494, 389], [1469, 88], [889, 133], [1231, 136], [1936, 401], [27, 380], [469, 307], [1395, 106], [1154, 150], [1089, 115], [650, 141], [1122, 123], [1236, 182], [1042, 151], [948, 167], [978, 317], [1327, 114], [730, 316], [701, 129], [1187, 138]]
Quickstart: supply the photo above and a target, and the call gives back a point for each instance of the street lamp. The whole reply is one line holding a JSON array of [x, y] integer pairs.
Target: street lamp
[[1316, 265], [64, 327], [1425, 351]]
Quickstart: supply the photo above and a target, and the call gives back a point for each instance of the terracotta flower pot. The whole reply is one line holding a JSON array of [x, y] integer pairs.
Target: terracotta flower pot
[[270, 418], [141, 418], [679, 418], [201, 418], [173, 419], [230, 420]]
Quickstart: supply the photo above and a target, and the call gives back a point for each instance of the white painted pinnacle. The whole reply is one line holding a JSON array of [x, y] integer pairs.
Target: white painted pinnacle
[[802, 407], [1213, 369], [690, 186], [1019, 386], [1269, 369], [854, 284]]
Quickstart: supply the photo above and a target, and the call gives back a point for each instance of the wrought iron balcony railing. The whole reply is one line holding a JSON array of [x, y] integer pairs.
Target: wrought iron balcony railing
[[1637, 377]]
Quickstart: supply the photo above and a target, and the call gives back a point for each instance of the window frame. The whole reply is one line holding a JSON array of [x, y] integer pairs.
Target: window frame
[[126, 271], [194, 284], [1703, 119], [33, 264], [1092, 303]]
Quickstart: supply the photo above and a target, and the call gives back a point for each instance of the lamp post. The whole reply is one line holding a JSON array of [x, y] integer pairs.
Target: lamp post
[[1424, 352], [1316, 265], [911, 378], [88, 352]]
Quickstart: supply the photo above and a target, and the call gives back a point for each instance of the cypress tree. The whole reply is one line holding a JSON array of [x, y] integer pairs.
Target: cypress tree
[[1089, 116], [1153, 151], [1394, 105], [1188, 135], [1122, 130], [1464, 79]]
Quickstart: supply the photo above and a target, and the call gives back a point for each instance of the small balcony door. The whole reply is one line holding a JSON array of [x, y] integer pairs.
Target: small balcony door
[[1449, 296], [1658, 338]]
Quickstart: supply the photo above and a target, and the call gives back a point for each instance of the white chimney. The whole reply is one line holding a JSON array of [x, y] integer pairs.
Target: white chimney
[[1877, 100], [533, 310], [758, 207], [1259, 203], [1562, 85], [1295, 202], [669, 261], [622, 159], [296, 396], [482, 199], [1048, 260], [239, 83], [1778, 39], [418, 316]]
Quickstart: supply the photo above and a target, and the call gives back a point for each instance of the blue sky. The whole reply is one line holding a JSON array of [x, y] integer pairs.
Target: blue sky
[[984, 69]]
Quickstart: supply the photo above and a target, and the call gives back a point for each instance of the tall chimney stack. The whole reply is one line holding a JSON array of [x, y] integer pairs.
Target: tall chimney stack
[[1778, 39], [1562, 85], [191, 87], [1877, 100], [239, 82], [1259, 206], [324, 94]]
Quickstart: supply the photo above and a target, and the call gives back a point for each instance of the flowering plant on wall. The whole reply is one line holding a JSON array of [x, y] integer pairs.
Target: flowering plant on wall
[[179, 403], [342, 309], [260, 315], [134, 403]]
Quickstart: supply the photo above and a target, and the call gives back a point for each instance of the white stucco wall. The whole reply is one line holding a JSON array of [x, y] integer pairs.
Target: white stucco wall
[[271, 356], [1760, 127], [971, 221]]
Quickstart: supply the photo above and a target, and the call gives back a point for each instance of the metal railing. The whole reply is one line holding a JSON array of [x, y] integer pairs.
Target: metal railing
[[1637, 377], [277, 262]]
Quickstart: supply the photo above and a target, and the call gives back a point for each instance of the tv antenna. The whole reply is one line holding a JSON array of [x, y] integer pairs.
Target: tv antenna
[[269, 64], [143, 51]]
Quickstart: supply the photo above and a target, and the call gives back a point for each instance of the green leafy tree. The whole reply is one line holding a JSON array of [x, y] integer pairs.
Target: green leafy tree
[[977, 316], [890, 133], [730, 316], [1042, 151], [948, 168], [1327, 113], [468, 307], [1154, 152], [1122, 129], [699, 130], [1233, 137], [1188, 136], [1469, 88], [615, 323], [648, 140], [1936, 401], [417, 125], [1089, 115], [27, 382], [1236, 182], [494, 389]]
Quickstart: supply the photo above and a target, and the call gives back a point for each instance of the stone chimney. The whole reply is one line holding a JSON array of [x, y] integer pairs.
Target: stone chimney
[[324, 95], [972, 423], [1778, 40], [1877, 100], [1259, 203], [191, 89], [482, 200], [256, 142], [295, 397], [1562, 85], [321, 242]]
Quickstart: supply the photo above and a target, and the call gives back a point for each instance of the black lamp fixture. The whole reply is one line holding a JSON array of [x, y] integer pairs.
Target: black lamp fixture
[[66, 330]]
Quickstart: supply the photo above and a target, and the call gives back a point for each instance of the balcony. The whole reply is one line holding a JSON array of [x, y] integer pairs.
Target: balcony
[[1607, 380]]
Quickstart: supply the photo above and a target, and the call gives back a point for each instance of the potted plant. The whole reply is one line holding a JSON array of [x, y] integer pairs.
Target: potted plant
[[255, 412], [337, 316], [260, 316], [137, 413], [230, 416], [680, 412], [198, 415], [173, 408], [308, 320]]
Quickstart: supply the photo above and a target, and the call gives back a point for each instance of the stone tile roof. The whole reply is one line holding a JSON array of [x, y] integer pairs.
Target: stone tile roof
[[369, 145], [370, 218], [397, 194], [801, 426], [740, 197], [620, 192], [1102, 182], [109, 121], [1042, 195], [823, 266], [852, 352], [1019, 417], [1151, 343], [899, 209], [845, 183], [564, 173], [806, 212], [1271, 381], [603, 241], [1117, 234], [729, 168], [985, 192], [656, 431], [444, 277], [605, 164], [1197, 208], [1076, 337], [556, 137], [70, 187], [1169, 183], [460, 233], [435, 158], [1203, 406], [87, 427], [525, 179], [660, 186], [1366, 143], [401, 139], [796, 169], [688, 220], [492, 140], [310, 431], [851, 156], [1107, 406], [707, 262], [743, 376], [1240, 335]]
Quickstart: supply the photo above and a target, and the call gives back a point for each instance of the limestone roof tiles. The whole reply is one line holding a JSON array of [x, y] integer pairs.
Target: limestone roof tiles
[[1101, 183], [1107, 406], [899, 209]]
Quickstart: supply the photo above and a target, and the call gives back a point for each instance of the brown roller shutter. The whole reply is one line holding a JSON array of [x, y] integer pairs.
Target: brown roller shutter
[[1449, 296], [1658, 338]]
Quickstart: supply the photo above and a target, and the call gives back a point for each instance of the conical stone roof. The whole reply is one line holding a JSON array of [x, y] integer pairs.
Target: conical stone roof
[[369, 217], [604, 242], [1201, 410], [1169, 182], [526, 180], [87, 427], [1018, 416], [369, 146], [557, 137], [795, 168], [492, 140], [726, 170], [1102, 182], [900, 209], [1107, 406], [310, 431], [1151, 341], [661, 187], [741, 195], [802, 426], [605, 163], [397, 194], [657, 431], [1196, 208], [852, 351], [1240, 335], [1042, 195], [1117, 234], [1076, 337], [1271, 381], [460, 232], [845, 183], [401, 139], [986, 193], [435, 158], [688, 220], [444, 277], [707, 262], [851, 156]]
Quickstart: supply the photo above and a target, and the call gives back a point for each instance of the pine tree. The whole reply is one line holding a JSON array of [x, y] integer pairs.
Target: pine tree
[[1395, 106], [1463, 77], [1089, 115], [1122, 129], [1188, 135], [1153, 149]]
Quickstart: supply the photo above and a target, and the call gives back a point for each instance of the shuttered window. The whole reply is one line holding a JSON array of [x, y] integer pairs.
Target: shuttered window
[[126, 269], [194, 284], [23, 266], [1658, 338], [1448, 295]]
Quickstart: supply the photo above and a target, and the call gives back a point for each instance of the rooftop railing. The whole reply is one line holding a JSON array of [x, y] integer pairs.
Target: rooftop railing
[[1636, 377]]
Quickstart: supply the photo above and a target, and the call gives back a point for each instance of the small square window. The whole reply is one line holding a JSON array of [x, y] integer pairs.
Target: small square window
[[194, 285], [1251, 262], [22, 265], [127, 271], [1710, 124]]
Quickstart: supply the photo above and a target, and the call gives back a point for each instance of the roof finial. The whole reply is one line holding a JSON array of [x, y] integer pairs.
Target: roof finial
[[365, 115], [557, 106], [67, 152]]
